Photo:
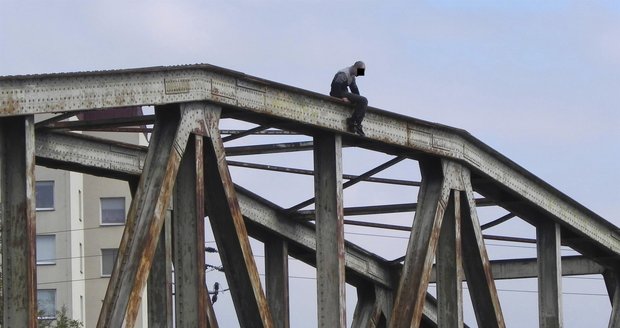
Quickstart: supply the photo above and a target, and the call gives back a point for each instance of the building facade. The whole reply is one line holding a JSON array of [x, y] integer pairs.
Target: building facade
[[80, 222]]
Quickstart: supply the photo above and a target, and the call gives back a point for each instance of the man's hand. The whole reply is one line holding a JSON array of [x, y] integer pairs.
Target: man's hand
[[345, 99]]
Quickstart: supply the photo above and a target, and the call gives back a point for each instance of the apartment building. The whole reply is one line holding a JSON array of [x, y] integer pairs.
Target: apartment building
[[80, 222]]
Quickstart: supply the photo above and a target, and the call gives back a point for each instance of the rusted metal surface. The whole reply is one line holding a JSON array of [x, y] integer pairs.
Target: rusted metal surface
[[269, 149], [373, 307], [448, 264], [193, 307], [246, 94], [146, 214], [432, 200], [353, 181], [330, 261], [159, 285], [311, 172], [230, 232], [258, 101], [17, 216], [276, 281]]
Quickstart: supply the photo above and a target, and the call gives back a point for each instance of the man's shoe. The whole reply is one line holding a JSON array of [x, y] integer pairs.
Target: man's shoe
[[359, 130], [351, 125]]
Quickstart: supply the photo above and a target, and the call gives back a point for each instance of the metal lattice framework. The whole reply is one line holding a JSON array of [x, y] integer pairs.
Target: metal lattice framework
[[184, 176]]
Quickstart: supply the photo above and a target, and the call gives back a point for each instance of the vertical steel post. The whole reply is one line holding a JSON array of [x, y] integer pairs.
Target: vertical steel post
[[613, 287], [276, 280], [17, 216], [329, 230], [159, 285], [549, 274], [192, 303], [449, 259]]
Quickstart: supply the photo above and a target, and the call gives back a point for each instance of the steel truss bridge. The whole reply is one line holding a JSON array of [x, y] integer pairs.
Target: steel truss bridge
[[184, 176]]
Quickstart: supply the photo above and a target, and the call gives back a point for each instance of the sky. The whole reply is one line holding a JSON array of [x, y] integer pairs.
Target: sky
[[537, 81]]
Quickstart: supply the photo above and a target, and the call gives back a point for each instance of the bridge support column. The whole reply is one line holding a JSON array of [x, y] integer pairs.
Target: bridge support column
[[329, 231], [374, 306], [159, 285], [449, 266], [146, 214], [230, 233], [276, 279], [444, 183], [192, 304], [17, 216], [549, 274]]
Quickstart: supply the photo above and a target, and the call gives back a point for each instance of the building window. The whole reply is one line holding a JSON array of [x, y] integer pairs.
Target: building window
[[44, 194], [46, 300], [108, 258], [113, 210], [46, 249], [81, 258]]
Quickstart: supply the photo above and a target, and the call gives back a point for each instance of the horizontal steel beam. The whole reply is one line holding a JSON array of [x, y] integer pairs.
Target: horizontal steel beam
[[528, 268], [52, 93]]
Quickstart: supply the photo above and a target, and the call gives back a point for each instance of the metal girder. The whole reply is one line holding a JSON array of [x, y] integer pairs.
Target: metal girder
[[192, 304], [440, 179], [449, 266], [360, 265], [146, 214], [549, 275], [159, 284], [230, 232], [374, 305], [82, 91], [18, 222], [432, 199], [528, 268], [276, 280], [329, 231]]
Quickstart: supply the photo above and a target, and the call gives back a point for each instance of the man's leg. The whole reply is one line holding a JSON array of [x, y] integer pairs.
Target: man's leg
[[356, 119]]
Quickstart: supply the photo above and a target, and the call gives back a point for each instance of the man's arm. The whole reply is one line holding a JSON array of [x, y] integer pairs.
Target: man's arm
[[354, 88]]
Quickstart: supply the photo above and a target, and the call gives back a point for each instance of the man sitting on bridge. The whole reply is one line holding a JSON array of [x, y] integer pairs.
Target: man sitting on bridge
[[345, 78]]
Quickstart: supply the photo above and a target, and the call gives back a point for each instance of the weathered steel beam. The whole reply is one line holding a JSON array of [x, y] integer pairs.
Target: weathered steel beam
[[18, 221], [192, 304], [353, 181], [549, 275], [380, 209], [276, 281], [612, 282], [330, 254], [21, 95], [497, 221], [284, 147], [159, 284], [146, 214], [242, 134], [360, 265], [432, 199], [230, 232], [86, 125], [528, 268], [311, 172], [373, 308], [476, 262], [449, 266]]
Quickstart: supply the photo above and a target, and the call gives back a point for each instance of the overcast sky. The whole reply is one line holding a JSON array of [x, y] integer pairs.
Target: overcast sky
[[538, 81]]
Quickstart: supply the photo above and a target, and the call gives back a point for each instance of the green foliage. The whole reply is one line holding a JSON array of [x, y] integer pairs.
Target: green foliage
[[61, 321]]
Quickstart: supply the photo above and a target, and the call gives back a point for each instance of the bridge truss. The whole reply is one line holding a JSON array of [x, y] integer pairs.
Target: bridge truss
[[184, 175]]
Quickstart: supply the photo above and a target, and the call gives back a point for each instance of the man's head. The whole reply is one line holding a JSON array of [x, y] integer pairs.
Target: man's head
[[359, 68]]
